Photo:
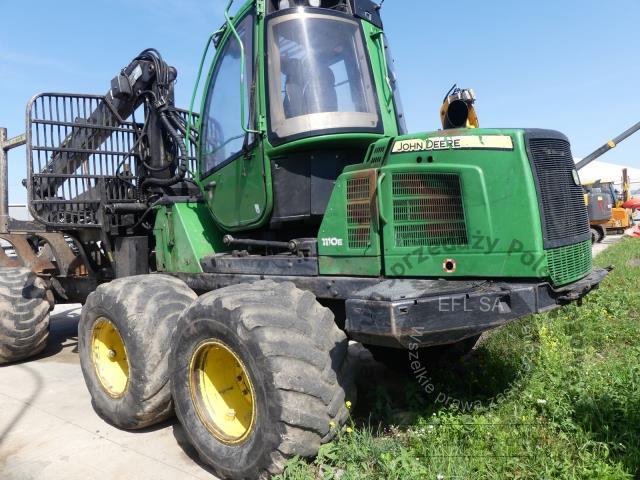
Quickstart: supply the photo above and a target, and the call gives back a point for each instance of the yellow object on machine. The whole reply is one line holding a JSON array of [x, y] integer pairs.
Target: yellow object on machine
[[458, 109]]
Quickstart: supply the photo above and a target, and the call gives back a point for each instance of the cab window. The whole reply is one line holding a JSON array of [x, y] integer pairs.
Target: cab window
[[222, 134], [319, 76]]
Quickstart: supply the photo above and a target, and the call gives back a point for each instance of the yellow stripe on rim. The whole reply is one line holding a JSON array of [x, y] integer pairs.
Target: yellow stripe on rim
[[222, 392], [109, 357]]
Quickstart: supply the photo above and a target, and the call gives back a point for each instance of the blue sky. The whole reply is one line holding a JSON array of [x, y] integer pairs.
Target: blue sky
[[567, 65]]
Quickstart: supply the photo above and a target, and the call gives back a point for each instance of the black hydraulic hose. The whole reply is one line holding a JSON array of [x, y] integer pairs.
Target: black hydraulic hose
[[174, 133], [182, 169], [166, 182], [183, 130], [144, 215], [154, 169], [161, 103], [230, 240]]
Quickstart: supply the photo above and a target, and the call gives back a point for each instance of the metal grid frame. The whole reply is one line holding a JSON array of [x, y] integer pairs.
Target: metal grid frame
[[69, 185], [569, 263], [359, 198], [428, 210], [565, 219]]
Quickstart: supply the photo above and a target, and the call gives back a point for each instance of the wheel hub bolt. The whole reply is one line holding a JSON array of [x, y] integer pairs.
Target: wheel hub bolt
[[111, 354]]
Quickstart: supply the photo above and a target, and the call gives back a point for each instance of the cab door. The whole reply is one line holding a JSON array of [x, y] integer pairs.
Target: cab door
[[230, 156]]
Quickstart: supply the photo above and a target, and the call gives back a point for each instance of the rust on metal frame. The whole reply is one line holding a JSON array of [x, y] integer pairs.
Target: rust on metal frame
[[25, 253], [6, 261], [370, 174], [66, 262]]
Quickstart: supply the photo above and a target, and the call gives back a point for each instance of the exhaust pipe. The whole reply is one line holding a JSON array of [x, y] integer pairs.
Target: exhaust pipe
[[457, 109]]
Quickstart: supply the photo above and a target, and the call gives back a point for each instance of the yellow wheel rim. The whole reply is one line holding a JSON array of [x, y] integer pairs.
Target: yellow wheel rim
[[109, 357], [222, 392]]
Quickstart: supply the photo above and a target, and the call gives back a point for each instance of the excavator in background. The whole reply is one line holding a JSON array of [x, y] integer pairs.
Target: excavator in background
[[599, 208], [620, 216], [601, 196], [623, 207]]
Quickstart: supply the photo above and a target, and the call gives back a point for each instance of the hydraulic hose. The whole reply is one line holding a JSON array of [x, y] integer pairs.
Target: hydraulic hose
[[182, 169]]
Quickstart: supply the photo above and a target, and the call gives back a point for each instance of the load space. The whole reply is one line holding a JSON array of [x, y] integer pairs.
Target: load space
[[226, 261]]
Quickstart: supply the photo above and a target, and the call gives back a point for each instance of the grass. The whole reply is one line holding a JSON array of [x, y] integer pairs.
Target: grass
[[555, 396]]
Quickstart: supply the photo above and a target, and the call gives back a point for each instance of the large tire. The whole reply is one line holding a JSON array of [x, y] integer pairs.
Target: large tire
[[399, 360], [25, 304], [143, 310], [299, 374]]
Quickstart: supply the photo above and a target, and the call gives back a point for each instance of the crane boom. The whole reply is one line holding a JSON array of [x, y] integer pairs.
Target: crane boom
[[607, 146]]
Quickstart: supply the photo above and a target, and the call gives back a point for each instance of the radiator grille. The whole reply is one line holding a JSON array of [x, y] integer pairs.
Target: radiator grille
[[358, 189], [359, 212], [562, 208], [570, 263], [428, 210]]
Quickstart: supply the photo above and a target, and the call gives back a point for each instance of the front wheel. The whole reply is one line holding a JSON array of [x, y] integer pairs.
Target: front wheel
[[260, 374]]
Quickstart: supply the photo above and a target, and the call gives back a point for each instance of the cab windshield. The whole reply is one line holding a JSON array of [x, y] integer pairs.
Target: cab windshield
[[319, 76]]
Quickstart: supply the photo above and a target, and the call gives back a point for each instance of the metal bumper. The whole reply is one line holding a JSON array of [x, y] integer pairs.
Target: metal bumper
[[396, 314]]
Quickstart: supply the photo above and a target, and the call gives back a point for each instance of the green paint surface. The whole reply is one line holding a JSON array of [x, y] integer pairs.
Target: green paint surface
[[184, 234], [501, 215], [395, 233], [242, 198], [500, 231]]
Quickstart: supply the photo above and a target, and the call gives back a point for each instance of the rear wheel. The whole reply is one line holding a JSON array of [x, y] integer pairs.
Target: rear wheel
[[25, 303], [260, 374], [124, 337], [595, 235]]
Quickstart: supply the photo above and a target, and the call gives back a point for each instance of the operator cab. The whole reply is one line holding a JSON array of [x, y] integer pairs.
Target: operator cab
[[320, 82], [329, 92]]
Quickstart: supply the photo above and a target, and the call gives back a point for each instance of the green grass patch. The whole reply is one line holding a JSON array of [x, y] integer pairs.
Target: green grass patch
[[555, 396]]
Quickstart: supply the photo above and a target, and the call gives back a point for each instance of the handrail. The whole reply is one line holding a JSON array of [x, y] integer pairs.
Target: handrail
[[193, 100], [242, 68], [379, 37]]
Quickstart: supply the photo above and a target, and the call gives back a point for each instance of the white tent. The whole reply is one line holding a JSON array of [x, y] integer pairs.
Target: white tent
[[598, 170]]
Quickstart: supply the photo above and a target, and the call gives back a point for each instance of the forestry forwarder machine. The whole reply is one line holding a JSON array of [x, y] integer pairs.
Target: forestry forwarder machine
[[224, 261]]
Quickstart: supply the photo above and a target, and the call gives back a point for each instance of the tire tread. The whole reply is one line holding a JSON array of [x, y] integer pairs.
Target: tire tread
[[307, 355], [24, 314]]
